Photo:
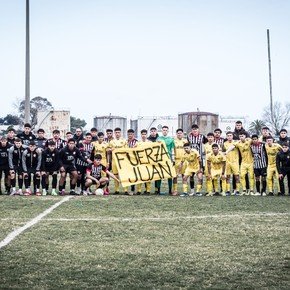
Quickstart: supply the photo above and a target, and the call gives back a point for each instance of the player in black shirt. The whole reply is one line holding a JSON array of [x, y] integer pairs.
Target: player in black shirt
[[31, 164], [94, 132], [283, 137], [15, 165], [67, 161], [4, 164], [40, 140], [283, 167], [11, 136], [26, 136], [49, 166]]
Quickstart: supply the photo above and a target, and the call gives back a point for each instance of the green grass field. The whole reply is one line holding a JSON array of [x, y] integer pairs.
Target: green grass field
[[142, 242]]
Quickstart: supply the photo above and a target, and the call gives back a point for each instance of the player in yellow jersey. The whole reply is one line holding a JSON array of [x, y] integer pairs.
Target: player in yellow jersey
[[100, 147], [232, 162], [208, 150], [116, 143], [140, 143], [179, 141], [272, 173], [247, 164], [216, 166], [194, 166]]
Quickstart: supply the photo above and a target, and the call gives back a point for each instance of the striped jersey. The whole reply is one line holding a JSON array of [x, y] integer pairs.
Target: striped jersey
[[86, 150], [96, 170], [259, 155], [196, 142], [132, 143], [220, 141], [59, 143]]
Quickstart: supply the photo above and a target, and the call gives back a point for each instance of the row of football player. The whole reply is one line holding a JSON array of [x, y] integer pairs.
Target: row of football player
[[195, 138], [190, 157]]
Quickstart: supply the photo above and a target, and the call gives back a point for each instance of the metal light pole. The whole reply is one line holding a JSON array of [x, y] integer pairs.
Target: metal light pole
[[27, 69], [270, 74]]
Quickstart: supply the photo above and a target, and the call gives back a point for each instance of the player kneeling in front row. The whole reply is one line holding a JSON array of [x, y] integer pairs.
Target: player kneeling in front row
[[194, 165], [216, 165], [94, 175]]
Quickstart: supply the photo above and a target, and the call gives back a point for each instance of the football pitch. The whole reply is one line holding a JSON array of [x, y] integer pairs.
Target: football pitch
[[144, 242]]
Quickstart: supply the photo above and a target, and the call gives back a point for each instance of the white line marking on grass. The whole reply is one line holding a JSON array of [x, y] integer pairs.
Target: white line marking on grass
[[31, 223], [135, 219]]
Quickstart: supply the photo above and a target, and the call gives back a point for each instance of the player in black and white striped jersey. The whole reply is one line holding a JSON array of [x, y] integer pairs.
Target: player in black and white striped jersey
[[86, 147], [197, 141], [260, 164], [59, 143], [217, 137], [131, 143]]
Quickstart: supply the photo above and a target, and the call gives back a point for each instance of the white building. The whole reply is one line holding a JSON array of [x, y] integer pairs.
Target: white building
[[147, 122], [52, 120], [227, 123]]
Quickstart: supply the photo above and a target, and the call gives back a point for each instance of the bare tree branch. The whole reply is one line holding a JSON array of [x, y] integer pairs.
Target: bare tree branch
[[280, 118]]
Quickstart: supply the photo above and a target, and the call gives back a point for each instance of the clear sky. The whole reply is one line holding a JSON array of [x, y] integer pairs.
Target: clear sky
[[153, 57]]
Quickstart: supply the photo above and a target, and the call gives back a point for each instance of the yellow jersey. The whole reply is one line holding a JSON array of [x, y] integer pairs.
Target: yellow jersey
[[178, 148], [216, 161], [232, 156], [118, 143], [101, 148], [192, 158], [141, 143], [272, 153], [245, 150]]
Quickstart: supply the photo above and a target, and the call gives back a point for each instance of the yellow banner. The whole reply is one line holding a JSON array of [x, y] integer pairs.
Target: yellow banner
[[148, 162]]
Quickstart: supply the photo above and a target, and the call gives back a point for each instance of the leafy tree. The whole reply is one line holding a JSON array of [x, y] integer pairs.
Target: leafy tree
[[36, 104], [280, 117], [11, 120], [76, 123], [256, 126]]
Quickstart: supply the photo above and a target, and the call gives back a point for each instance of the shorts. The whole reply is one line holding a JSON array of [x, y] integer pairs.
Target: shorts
[[18, 170], [260, 172], [190, 171], [4, 169], [101, 185], [177, 164], [232, 168], [69, 168]]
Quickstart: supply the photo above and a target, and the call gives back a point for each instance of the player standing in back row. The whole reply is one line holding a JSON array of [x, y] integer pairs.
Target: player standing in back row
[[179, 141], [116, 143], [169, 143], [197, 141]]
